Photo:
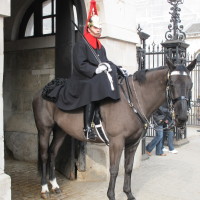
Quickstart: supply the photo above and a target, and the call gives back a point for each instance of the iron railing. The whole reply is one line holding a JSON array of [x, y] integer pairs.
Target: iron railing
[[194, 113]]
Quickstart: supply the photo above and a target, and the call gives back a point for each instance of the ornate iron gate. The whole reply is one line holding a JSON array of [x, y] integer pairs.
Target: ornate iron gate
[[154, 56], [194, 114], [175, 48]]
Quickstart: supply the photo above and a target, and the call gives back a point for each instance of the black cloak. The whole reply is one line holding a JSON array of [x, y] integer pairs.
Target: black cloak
[[85, 85]]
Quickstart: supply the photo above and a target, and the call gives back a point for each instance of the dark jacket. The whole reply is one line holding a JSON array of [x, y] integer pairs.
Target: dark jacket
[[85, 86], [161, 115]]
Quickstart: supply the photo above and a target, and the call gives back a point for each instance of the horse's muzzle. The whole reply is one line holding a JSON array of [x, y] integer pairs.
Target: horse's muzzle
[[181, 113], [180, 123]]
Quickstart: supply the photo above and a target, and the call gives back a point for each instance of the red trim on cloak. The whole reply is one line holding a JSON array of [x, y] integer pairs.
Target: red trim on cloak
[[93, 41]]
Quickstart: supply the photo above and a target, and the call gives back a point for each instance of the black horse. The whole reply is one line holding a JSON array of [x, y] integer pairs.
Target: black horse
[[123, 127]]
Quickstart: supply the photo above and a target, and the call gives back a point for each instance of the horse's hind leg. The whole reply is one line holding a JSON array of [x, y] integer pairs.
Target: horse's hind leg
[[58, 138], [44, 136], [128, 165], [115, 148]]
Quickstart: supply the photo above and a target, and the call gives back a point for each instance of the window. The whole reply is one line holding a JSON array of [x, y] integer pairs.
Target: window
[[39, 19], [75, 16], [30, 27], [48, 17]]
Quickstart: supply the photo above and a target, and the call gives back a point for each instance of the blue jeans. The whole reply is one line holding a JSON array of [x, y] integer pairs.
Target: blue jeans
[[157, 141], [169, 134]]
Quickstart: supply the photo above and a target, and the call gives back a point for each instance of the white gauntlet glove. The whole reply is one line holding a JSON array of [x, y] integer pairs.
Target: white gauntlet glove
[[100, 69], [109, 69]]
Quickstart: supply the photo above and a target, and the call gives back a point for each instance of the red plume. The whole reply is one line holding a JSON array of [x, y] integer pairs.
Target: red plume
[[92, 11]]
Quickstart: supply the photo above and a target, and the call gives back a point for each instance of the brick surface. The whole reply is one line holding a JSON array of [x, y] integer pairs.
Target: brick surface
[[174, 177]]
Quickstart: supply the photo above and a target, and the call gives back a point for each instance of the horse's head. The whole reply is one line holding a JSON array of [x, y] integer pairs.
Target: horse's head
[[180, 85]]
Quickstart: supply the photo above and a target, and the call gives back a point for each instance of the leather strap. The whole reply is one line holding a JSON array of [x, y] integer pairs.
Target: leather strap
[[128, 96]]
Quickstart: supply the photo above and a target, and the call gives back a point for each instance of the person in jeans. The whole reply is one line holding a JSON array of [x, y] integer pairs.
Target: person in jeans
[[158, 118], [163, 122], [168, 134]]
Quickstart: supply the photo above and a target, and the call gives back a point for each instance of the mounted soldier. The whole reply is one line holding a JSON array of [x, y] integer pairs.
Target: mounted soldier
[[93, 81], [94, 77]]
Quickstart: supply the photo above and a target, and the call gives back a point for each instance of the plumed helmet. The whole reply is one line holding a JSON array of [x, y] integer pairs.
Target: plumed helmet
[[93, 18], [94, 21]]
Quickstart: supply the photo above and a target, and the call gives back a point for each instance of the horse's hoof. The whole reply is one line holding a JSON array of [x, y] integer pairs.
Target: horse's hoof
[[45, 195], [56, 190], [131, 197]]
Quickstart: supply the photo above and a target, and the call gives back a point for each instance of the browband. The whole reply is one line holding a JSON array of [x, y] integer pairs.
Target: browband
[[179, 73]]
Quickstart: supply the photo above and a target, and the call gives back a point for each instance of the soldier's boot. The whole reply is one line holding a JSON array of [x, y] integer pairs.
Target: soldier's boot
[[88, 117]]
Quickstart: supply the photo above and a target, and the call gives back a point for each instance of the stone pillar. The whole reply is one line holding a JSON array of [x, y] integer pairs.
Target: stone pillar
[[5, 182], [119, 37]]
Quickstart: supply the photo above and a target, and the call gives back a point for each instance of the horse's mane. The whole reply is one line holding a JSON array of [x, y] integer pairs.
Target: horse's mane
[[140, 75]]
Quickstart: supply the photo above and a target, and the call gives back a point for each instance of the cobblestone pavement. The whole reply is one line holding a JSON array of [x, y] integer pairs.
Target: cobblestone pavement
[[173, 177]]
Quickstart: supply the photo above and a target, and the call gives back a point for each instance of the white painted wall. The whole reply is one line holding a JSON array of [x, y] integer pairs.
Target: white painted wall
[[5, 8], [5, 182], [119, 34]]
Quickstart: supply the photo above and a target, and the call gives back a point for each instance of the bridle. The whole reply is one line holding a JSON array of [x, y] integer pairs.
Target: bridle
[[170, 99]]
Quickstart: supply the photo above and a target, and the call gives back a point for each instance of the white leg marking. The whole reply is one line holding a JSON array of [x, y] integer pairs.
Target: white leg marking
[[54, 184], [45, 188]]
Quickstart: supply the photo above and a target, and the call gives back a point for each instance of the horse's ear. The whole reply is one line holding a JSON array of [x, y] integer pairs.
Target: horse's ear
[[191, 66], [170, 64]]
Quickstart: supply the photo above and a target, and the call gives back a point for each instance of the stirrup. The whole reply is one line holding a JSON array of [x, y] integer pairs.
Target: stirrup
[[89, 134]]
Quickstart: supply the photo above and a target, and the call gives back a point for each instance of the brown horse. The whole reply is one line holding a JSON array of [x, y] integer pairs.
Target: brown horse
[[123, 127]]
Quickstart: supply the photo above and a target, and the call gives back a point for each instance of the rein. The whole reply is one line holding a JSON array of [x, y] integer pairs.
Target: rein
[[140, 116], [129, 96]]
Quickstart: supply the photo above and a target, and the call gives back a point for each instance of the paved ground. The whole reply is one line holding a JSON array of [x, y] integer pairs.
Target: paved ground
[[174, 177]]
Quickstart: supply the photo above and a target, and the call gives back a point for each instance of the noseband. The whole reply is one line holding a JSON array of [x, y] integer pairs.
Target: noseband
[[171, 101]]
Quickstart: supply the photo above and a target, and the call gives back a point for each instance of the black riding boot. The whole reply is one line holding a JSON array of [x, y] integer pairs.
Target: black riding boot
[[88, 116]]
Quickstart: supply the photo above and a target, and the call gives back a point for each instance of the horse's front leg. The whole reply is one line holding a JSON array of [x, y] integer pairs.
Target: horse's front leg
[[58, 138], [115, 149], [128, 165]]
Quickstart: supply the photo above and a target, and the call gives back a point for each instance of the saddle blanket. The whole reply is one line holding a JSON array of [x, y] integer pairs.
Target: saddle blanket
[[59, 83]]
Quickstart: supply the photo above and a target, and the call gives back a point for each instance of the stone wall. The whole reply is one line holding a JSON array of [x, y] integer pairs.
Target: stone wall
[[26, 71]]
